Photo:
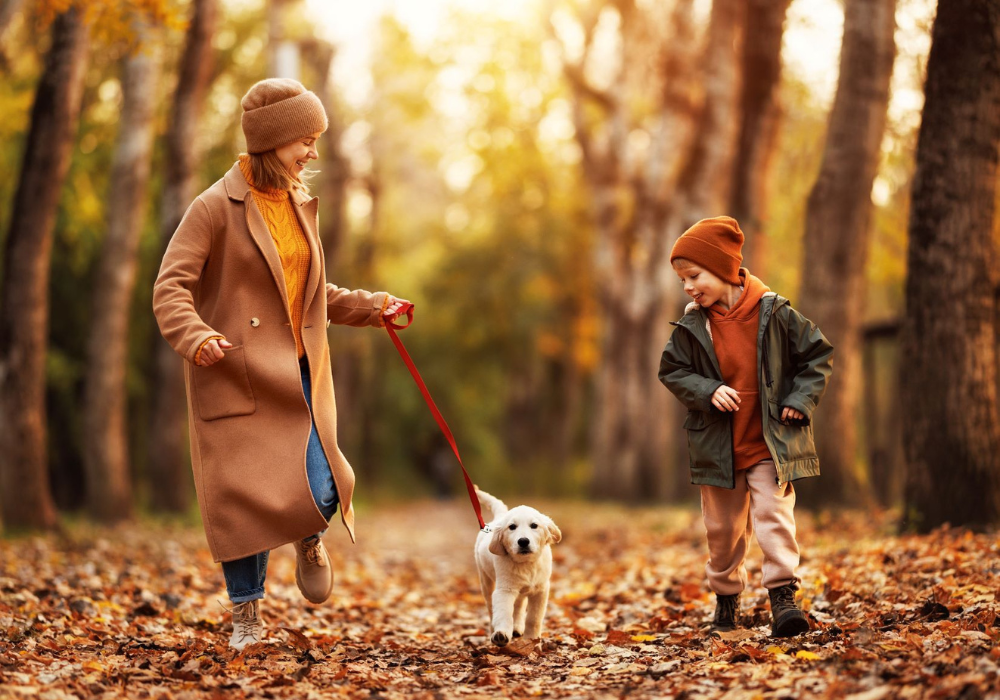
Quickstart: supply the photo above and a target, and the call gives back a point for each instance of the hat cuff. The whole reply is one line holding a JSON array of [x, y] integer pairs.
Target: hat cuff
[[711, 257], [276, 124]]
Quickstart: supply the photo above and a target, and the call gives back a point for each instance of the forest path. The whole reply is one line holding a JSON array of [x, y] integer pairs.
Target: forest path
[[133, 612]]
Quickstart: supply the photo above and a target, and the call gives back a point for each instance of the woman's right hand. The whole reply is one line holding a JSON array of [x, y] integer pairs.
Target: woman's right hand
[[726, 398], [213, 351]]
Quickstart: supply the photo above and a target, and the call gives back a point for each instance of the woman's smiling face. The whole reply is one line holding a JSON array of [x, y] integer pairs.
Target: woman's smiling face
[[297, 154], [700, 284]]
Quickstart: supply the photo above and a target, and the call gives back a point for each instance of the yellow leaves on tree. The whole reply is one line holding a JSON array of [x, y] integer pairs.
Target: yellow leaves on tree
[[116, 22]]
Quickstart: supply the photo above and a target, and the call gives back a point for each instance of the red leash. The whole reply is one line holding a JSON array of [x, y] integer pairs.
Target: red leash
[[392, 328]]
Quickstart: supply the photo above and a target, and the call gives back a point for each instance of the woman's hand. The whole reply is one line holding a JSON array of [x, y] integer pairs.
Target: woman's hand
[[393, 308], [726, 398], [213, 351], [789, 412]]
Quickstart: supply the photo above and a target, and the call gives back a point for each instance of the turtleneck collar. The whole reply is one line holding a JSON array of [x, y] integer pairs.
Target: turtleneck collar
[[272, 194]]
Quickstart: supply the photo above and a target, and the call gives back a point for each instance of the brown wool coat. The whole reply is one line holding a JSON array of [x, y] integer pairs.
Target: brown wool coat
[[249, 421]]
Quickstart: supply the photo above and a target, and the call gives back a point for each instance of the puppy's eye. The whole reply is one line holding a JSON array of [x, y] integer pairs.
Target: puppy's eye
[[512, 527], [534, 526]]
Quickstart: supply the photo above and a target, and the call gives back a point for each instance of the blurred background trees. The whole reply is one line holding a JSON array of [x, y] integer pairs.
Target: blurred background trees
[[521, 173]]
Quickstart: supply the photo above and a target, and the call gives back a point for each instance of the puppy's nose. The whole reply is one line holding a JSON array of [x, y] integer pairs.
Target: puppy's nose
[[523, 542]]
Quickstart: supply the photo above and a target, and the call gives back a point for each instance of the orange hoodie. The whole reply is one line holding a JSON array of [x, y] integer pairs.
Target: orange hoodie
[[734, 335]]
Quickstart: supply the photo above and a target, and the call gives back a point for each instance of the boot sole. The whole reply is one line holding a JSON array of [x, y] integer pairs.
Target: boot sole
[[791, 626]]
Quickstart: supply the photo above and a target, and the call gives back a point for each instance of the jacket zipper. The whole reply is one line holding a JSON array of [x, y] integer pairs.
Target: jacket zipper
[[768, 379]]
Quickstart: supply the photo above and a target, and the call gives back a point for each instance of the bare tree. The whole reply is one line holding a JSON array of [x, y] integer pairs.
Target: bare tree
[[760, 115], [951, 425], [24, 303], [105, 448], [837, 234], [169, 474]]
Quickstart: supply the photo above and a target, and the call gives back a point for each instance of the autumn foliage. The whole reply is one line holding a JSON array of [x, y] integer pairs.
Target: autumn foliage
[[135, 612]]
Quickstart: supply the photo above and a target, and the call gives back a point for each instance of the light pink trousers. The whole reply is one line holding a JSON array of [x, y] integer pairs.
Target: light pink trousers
[[758, 504]]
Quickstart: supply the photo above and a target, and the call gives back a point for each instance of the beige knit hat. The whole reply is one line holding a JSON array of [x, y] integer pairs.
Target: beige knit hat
[[278, 111]]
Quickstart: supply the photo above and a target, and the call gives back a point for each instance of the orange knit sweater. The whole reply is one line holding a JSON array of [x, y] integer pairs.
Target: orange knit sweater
[[734, 336], [293, 249], [277, 208]]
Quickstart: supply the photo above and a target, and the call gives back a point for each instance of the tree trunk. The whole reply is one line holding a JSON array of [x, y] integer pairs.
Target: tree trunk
[[333, 164], [283, 56], [8, 10], [105, 450], [169, 475], [948, 376], [759, 119], [706, 179], [837, 237], [639, 205], [24, 303]]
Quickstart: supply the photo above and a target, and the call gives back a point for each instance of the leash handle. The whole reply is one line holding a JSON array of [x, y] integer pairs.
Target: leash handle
[[406, 309], [391, 328]]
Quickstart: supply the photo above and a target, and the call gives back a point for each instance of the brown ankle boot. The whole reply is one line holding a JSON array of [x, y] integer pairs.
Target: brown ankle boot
[[313, 570], [786, 618]]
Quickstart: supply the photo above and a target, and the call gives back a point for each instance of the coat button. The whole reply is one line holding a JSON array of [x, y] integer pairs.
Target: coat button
[[254, 321]]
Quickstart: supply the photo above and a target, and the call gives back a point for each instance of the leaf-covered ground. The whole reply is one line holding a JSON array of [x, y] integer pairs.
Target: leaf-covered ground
[[135, 612]]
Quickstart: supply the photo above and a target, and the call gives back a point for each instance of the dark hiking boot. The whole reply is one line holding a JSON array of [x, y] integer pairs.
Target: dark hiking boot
[[727, 611], [786, 618]]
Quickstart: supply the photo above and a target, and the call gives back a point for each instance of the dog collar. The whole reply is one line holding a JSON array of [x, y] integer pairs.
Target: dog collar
[[486, 529]]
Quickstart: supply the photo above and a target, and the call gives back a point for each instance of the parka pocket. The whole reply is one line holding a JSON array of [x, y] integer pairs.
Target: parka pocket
[[709, 440], [792, 439], [223, 390]]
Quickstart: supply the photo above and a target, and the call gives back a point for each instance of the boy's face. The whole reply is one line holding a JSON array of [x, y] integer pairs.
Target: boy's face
[[700, 284]]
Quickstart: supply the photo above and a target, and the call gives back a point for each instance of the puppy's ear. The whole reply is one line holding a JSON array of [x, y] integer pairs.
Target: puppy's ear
[[496, 541], [555, 534]]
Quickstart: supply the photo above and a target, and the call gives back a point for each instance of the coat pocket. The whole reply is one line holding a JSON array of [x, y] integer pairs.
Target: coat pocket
[[223, 389], [709, 441], [793, 438]]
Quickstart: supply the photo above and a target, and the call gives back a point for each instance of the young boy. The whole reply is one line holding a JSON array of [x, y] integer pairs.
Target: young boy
[[750, 370]]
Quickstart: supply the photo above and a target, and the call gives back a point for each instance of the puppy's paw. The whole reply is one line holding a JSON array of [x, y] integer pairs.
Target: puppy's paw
[[517, 634], [500, 639]]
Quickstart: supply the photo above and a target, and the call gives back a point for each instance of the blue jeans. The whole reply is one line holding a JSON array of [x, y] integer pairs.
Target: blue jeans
[[245, 577]]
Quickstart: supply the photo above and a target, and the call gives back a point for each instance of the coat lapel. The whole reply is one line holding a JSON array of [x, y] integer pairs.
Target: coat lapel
[[238, 189], [696, 321], [307, 211]]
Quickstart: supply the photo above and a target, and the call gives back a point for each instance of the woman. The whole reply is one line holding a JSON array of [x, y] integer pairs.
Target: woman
[[240, 295]]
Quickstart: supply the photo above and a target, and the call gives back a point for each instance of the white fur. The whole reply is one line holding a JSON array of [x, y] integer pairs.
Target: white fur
[[515, 578]]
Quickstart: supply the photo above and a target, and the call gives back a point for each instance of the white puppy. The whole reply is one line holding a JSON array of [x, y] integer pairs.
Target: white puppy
[[515, 562]]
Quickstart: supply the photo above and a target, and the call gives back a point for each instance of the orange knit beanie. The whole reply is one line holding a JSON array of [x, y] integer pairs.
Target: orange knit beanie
[[278, 111], [715, 245]]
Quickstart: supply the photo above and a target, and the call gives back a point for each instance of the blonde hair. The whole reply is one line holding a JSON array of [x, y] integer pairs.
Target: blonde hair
[[268, 173]]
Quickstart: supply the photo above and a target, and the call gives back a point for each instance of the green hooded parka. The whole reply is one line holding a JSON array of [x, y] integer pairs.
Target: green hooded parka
[[794, 362]]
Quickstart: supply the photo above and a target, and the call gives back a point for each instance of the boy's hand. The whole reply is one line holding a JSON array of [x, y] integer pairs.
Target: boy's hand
[[726, 398], [788, 412]]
